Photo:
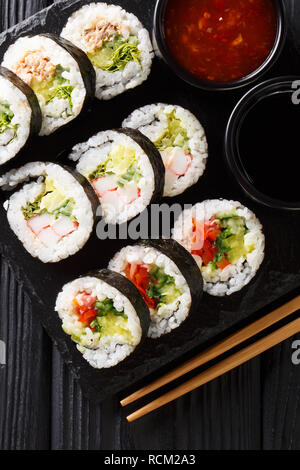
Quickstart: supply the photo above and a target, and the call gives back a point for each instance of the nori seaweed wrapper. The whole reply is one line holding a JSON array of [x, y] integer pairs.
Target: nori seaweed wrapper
[[36, 114], [85, 66], [90, 193], [128, 289], [36, 117], [154, 157]]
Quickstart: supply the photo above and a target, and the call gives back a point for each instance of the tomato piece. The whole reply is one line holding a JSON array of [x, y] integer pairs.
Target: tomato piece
[[88, 316], [213, 232], [85, 301], [141, 279], [208, 233], [127, 271], [207, 253], [198, 235], [214, 249], [223, 263], [75, 302], [84, 307], [151, 303]]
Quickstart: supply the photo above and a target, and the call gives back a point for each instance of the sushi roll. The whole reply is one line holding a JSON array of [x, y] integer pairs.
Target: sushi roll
[[227, 242], [105, 316], [179, 137], [20, 115], [59, 73], [167, 277], [53, 216], [117, 44], [125, 170]]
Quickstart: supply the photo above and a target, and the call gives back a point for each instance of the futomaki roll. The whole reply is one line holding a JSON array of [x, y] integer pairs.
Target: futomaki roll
[[20, 115], [117, 44], [227, 242], [59, 73], [179, 137], [54, 215], [166, 276], [125, 170], [105, 315]]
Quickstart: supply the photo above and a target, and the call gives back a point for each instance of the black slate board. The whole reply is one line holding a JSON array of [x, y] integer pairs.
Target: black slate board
[[279, 275]]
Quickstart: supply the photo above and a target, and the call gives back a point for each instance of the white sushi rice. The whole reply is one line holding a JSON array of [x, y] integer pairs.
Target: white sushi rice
[[95, 151], [52, 112], [109, 350], [10, 145], [111, 84], [235, 276], [152, 121], [168, 316], [68, 186]]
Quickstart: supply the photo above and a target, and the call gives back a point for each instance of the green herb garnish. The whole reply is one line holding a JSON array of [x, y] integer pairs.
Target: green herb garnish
[[114, 55], [33, 209], [63, 93], [66, 209], [230, 241], [59, 73], [124, 54], [131, 174], [162, 287], [174, 136], [106, 307], [100, 171], [6, 117], [95, 324], [58, 87]]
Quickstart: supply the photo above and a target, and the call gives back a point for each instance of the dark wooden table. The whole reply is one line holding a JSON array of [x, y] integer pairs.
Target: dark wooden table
[[256, 406]]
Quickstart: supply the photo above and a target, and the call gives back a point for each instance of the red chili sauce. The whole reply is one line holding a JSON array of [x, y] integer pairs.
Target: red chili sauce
[[220, 40]]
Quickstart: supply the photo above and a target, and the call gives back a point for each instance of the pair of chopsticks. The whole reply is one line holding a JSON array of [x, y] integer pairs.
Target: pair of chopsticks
[[215, 351]]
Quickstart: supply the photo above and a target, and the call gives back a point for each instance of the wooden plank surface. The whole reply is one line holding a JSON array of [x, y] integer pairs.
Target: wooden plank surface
[[42, 407], [26, 378]]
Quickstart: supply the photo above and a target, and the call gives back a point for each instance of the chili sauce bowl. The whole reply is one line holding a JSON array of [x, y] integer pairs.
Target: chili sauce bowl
[[162, 50]]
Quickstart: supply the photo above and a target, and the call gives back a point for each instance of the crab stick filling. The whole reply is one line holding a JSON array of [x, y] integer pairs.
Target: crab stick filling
[[176, 162], [174, 147], [50, 217], [50, 230], [116, 181]]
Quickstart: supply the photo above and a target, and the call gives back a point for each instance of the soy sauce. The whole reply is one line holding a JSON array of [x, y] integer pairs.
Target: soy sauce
[[269, 147]]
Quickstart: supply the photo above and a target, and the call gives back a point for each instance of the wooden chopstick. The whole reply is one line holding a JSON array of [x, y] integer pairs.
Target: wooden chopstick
[[221, 368], [218, 349]]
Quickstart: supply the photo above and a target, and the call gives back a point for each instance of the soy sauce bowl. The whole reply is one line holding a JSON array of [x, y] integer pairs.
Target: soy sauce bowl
[[278, 88], [162, 50]]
